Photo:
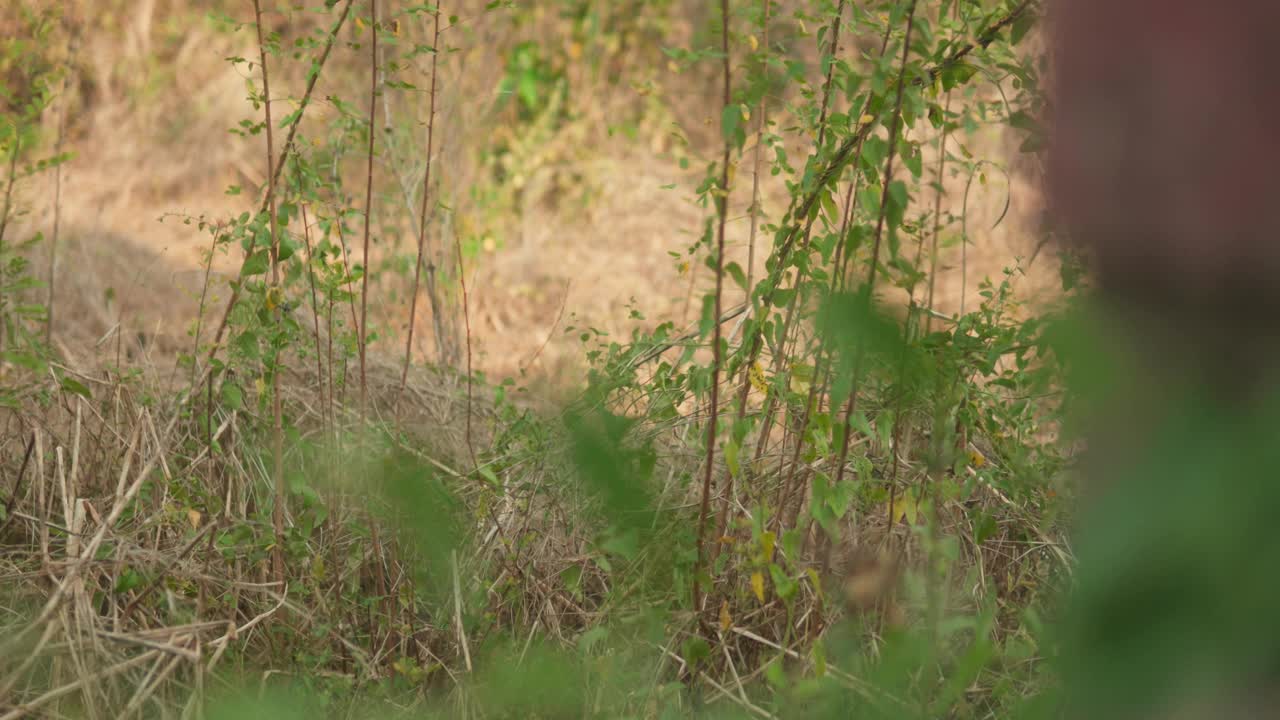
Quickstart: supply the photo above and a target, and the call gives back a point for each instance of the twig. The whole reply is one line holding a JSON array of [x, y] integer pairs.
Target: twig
[[722, 209], [457, 610], [277, 421], [368, 212], [755, 174], [552, 331], [685, 337], [17, 486], [426, 192], [4, 220], [466, 316]]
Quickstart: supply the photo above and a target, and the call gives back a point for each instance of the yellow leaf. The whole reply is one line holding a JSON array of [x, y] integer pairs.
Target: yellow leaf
[[801, 379], [904, 506], [359, 23], [766, 545], [814, 580], [756, 376], [726, 620], [753, 42], [260, 384], [976, 458], [865, 119], [757, 585], [193, 517], [318, 570]]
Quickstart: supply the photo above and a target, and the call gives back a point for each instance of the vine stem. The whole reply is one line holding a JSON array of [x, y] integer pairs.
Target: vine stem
[[277, 423], [315, 312], [422, 221], [755, 174], [368, 212], [4, 223], [466, 318], [722, 210]]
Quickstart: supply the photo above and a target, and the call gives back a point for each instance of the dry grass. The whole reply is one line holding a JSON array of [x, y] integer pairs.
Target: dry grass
[[136, 574]]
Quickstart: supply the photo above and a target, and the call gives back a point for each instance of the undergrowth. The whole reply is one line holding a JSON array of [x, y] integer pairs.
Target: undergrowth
[[809, 503]]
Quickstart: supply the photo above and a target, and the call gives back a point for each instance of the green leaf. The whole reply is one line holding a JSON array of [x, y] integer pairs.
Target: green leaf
[[695, 650], [256, 264], [731, 127], [128, 580], [829, 206], [739, 277], [911, 157], [782, 584], [625, 545], [591, 638], [897, 203], [232, 396], [488, 474], [774, 674], [957, 74], [75, 386], [291, 118], [709, 318], [27, 360]]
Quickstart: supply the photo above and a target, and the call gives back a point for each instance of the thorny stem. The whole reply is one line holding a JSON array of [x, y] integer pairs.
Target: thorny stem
[[315, 309], [937, 218], [755, 174], [368, 213], [4, 224], [722, 209], [834, 49], [426, 191], [277, 424], [466, 315]]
